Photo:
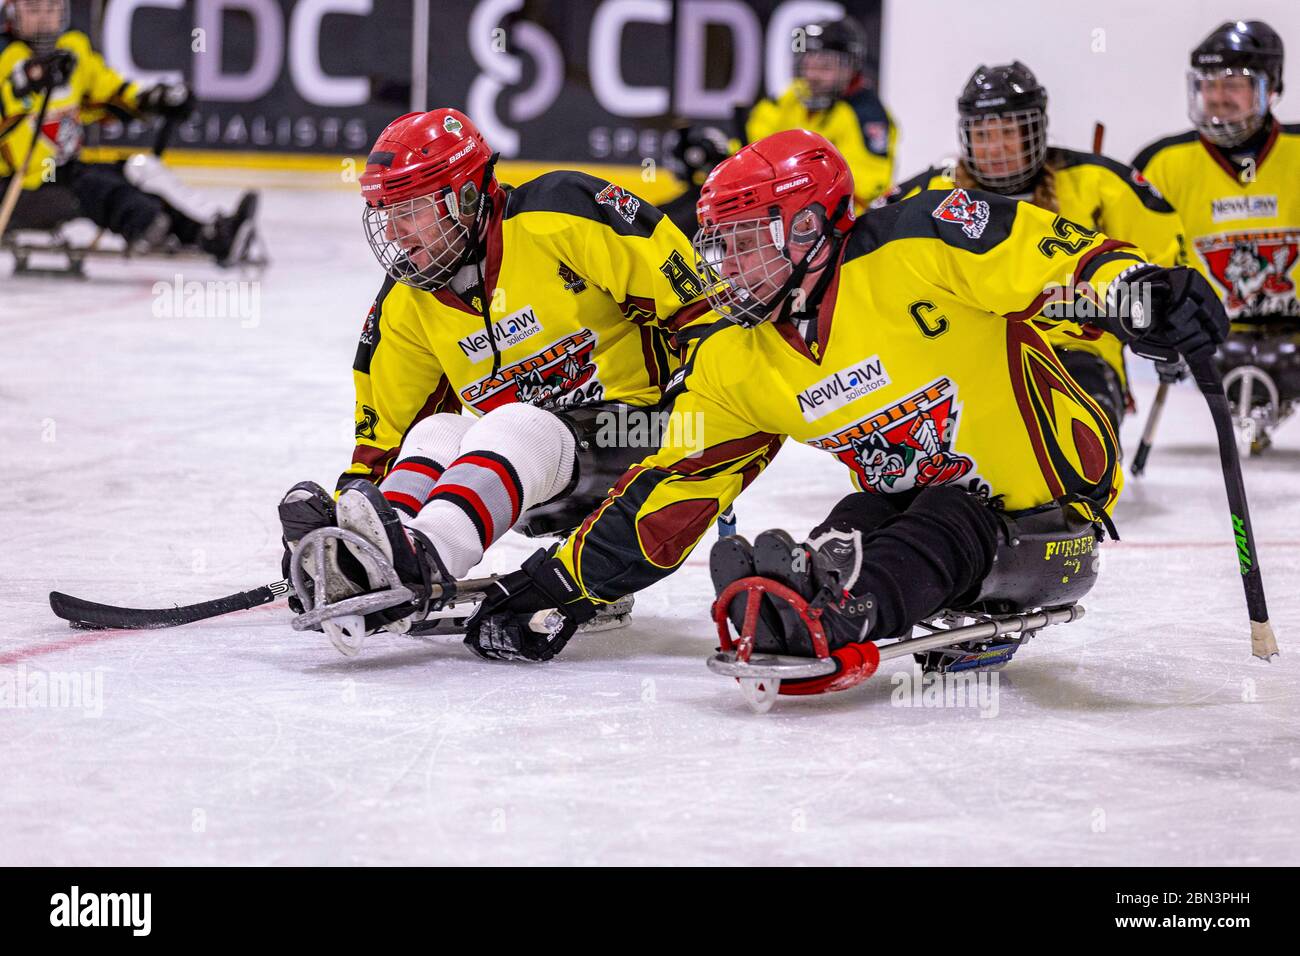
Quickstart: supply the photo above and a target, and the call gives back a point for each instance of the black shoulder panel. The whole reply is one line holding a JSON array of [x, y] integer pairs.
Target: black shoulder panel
[[977, 223], [867, 106], [572, 193], [369, 340], [1141, 160], [920, 181], [1067, 158], [870, 112], [1292, 128]]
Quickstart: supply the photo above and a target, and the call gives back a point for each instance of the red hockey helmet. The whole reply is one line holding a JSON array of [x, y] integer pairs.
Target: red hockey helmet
[[790, 192], [422, 184]]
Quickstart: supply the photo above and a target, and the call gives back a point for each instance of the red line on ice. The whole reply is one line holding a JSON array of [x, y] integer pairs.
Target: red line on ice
[[36, 650]]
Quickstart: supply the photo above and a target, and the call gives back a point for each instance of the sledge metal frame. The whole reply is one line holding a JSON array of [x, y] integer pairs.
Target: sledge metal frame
[[760, 675], [1255, 420], [23, 244]]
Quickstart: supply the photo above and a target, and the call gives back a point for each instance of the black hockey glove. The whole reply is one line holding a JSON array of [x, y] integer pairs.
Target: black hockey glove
[[1167, 313], [503, 627], [40, 74], [171, 100]]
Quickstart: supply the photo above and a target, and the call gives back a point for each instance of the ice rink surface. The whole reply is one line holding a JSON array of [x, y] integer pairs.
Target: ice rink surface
[[145, 454]]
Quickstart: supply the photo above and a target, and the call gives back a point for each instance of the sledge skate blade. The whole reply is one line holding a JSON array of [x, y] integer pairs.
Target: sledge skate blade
[[776, 667], [314, 548]]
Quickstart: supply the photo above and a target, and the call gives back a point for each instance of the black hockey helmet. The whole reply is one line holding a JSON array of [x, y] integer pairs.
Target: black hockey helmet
[[1249, 50], [38, 23], [842, 45], [696, 150], [1012, 94]]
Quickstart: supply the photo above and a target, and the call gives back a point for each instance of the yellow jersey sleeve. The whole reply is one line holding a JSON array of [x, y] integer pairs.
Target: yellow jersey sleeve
[[103, 87], [657, 512], [623, 246], [1013, 258], [1133, 210], [398, 382]]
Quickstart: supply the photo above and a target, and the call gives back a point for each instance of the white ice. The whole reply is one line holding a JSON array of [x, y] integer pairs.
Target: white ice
[[144, 456]]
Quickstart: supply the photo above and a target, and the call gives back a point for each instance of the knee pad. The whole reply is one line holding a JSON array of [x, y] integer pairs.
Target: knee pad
[[146, 172], [436, 438], [538, 445]]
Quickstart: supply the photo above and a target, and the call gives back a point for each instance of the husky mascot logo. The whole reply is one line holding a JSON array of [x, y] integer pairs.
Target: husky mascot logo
[[1252, 269], [906, 445], [622, 201], [971, 214]]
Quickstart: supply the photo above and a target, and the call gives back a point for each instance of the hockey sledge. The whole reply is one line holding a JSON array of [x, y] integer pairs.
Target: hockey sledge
[[948, 643]]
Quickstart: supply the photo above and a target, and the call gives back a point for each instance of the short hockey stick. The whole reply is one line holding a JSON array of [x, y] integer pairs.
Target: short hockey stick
[[88, 615], [16, 182], [1169, 374], [1149, 431], [1263, 643]]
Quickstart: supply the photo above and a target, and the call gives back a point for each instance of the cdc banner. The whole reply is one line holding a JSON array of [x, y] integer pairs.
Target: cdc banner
[[578, 80]]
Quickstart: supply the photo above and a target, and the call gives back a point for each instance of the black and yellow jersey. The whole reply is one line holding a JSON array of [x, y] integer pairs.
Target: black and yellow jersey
[[923, 368], [90, 93], [585, 284], [1102, 194], [1242, 216], [858, 126]]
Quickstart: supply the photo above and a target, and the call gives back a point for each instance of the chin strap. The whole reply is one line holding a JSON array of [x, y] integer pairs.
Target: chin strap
[[799, 273], [476, 250]]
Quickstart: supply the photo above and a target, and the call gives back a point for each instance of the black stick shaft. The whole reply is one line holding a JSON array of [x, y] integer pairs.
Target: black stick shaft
[[1211, 385], [91, 616]]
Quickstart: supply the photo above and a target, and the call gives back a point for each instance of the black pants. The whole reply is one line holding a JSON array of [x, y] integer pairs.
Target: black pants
[[944, 547], [101, 193]]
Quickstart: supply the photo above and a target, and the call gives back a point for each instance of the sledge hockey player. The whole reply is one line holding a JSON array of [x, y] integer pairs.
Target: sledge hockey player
[[547, 311], [1002, 131], [831, 95], [901, 344], [42, 59], [1235, 181]]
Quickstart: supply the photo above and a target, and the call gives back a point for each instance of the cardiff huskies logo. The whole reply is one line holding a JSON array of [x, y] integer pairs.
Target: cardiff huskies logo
[[971, 214], [906, 445], [561, 374], [1254, 270], [622, 201]]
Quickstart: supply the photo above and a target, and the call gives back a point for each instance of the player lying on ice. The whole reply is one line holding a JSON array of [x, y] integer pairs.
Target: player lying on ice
[[1002, 126], [898, 343], [548, 311], [41, 60]]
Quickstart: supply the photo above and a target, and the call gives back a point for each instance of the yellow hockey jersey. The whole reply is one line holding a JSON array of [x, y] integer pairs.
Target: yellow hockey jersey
[[93, 89], [858, 126], [585, 284], [1105, 195], [1242, 217], [922, 368]]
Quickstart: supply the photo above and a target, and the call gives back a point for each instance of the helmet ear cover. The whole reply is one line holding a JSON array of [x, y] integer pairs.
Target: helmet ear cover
[[807, 224]]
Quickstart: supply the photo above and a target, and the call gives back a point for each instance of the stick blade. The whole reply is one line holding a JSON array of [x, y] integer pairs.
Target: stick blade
[[1263, 642]]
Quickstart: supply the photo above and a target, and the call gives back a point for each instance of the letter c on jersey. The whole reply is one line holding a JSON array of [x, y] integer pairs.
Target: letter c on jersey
[[920, 310]]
